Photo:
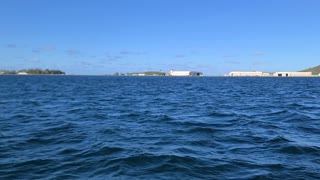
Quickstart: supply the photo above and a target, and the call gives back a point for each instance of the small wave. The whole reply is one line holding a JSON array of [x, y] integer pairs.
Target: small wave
[[166, 118], [67, 176], [26, 169], [300, 150], [41, 141], [204, 143], [204, 130], [34, 162], [278, 112], [22, 116], [195, 123], [56, 134], [63, 127], [145, 164], [104, 151], [310, 129], [75, 110], [184, 151], [220, 114], [68, 151], [278, 140], [134, 115]]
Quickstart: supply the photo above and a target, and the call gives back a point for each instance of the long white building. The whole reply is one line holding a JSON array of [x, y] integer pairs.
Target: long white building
[[277, 74], [184, 73], [248, 73], [292, 74]]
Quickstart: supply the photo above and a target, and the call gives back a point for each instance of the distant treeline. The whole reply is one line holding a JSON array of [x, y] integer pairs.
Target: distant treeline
[[32, 71]]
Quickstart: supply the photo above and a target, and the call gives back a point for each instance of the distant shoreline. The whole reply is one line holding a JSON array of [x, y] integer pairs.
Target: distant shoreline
[[213, 76]]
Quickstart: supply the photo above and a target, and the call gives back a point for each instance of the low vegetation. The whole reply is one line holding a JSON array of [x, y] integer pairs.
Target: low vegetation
[[33, 71], [314, 70], [147, 73], [154, 73]]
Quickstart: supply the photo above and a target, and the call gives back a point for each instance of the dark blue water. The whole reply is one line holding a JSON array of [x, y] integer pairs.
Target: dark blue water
[[87, 127]]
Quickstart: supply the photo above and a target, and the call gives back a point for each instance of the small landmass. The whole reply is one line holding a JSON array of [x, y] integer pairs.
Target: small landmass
[[32, 72], [147, 73], [159, 73]]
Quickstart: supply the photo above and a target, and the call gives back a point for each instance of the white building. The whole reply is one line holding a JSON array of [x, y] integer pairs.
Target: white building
[[184, 73], [249, 73], [292, 74], [22, 73]]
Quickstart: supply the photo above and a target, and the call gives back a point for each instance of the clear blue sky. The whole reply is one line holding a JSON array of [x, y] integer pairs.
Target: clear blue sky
[[108, 36]]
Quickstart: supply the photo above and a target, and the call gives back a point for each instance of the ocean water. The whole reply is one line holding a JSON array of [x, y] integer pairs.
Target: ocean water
[[100, 127]]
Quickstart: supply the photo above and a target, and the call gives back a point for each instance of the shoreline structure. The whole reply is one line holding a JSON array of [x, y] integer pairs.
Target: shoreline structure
[[276, 74], [311, 72]]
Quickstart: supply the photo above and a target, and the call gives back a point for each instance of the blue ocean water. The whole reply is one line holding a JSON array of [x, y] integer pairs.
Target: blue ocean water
[[100, 127]]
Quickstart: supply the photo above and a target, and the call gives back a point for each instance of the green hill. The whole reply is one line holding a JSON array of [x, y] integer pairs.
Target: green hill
[[314, 70]]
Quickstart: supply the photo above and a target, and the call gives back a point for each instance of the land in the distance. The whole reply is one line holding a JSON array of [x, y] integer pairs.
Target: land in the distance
[[37, 71], [315, 70], [147, 73], [32, 72]]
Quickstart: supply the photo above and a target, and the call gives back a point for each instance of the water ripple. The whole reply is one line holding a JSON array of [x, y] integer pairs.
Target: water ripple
[[91, 127]]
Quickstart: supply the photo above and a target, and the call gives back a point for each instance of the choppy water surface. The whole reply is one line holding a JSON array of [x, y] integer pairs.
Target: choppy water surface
[[72, 127]]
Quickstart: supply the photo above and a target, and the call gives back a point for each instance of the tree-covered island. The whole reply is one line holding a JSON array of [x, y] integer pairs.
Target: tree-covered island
[[32, 72]]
